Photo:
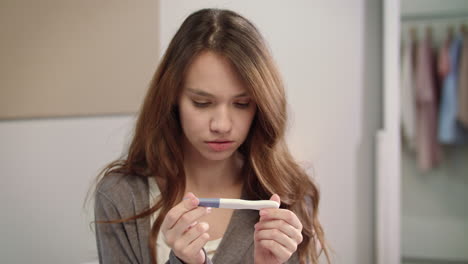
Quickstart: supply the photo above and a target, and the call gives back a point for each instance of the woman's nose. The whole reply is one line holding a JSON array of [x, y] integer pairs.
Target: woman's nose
[[221, 121]]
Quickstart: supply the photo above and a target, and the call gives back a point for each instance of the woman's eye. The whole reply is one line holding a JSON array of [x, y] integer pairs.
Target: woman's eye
[[201, 104], [242, 105]]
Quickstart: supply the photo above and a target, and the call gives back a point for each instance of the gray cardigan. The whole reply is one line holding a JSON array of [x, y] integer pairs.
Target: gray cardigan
[[119, 196]]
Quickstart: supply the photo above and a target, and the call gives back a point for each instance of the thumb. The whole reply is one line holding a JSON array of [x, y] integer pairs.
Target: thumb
[[275, 197], [190, 201]]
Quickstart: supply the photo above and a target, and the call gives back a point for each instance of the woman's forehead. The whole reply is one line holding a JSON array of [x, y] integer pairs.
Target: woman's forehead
[[213, 75]]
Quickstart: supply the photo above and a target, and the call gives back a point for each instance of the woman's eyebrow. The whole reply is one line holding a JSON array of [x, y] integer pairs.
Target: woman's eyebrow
[[203, 93]]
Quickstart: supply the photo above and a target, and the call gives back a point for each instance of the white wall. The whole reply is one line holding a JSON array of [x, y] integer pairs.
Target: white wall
[[47, 166], [329, 54]]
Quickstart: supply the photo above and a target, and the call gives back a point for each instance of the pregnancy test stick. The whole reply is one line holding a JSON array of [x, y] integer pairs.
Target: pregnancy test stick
[[237, 203]]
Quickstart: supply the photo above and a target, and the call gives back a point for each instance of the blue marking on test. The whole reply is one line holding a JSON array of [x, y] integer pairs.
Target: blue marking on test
[[209, 202]]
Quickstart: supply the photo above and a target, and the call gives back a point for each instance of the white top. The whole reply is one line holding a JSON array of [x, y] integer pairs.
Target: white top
[[162, 248]]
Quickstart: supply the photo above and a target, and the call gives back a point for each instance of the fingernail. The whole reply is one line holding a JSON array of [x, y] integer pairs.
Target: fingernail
[[208, 209], [204, 226], [263, 213]]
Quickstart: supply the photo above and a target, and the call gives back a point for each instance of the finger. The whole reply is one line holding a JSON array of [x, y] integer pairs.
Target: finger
[[197, 244], [277, 236], [191, 235], [275, 197], [280, 252], [187, 219], [193, 252], [196, 231], [284, 227], [190, 202], [282, 214]]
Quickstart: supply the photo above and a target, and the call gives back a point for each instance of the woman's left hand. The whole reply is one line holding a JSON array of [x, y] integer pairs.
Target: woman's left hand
[[276, 235]]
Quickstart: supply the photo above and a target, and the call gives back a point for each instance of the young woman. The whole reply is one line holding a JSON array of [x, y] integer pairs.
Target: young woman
[[212, 125]]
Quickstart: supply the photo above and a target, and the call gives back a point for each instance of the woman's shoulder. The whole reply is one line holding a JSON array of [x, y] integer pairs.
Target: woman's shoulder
[[118, 186]]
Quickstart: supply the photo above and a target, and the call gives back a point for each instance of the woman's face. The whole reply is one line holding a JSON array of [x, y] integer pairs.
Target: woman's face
[[215, 109]]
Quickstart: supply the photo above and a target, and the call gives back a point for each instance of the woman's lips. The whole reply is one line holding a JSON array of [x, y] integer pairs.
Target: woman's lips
[[220, 146]]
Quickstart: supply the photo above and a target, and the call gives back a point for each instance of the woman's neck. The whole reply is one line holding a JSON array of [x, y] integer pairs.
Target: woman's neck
[[206, 177]]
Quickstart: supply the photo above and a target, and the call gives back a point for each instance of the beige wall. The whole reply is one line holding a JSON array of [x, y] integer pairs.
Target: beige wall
[[74, 58]]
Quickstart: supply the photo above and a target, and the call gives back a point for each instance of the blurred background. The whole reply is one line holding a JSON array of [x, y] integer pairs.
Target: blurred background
[[434, 131], [73, 74]]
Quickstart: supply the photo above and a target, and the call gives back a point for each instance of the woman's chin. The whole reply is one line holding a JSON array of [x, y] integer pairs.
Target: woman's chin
[[217, 156]]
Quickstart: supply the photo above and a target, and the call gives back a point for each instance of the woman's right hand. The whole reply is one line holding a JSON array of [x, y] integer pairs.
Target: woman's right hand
[[182, 231]]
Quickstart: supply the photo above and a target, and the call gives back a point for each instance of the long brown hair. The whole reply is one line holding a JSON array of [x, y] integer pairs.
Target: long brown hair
[[268, 168]]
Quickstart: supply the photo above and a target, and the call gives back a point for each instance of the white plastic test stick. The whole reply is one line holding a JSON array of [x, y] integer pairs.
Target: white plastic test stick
[[237, 203]]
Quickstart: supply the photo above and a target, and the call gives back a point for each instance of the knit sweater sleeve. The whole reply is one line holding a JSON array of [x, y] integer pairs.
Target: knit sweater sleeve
[[112, 240], [120, 242]]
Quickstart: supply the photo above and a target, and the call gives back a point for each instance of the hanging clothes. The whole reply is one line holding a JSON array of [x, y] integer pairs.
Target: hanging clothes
[[444, 56], [463, 82], [426, 116], [449, 130], [443, 63], [436, 79], [407, 86]]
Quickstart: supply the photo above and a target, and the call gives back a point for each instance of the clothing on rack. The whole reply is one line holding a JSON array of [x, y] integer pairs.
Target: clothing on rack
[[426, 105], [463, 82], [443, 63], [449, 130], [407, 86], [444, 57]]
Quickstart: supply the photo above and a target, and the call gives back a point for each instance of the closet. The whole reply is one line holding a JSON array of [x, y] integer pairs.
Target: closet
[[434, 150], [422, 170]]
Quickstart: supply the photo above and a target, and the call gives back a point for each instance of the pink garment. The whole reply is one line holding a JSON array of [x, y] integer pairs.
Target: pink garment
[[437, 83], [428, 149], [444, 58], [463, 84], [443, 65]]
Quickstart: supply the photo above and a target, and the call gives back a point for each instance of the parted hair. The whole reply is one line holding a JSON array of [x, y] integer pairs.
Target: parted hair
[[268, 167]]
